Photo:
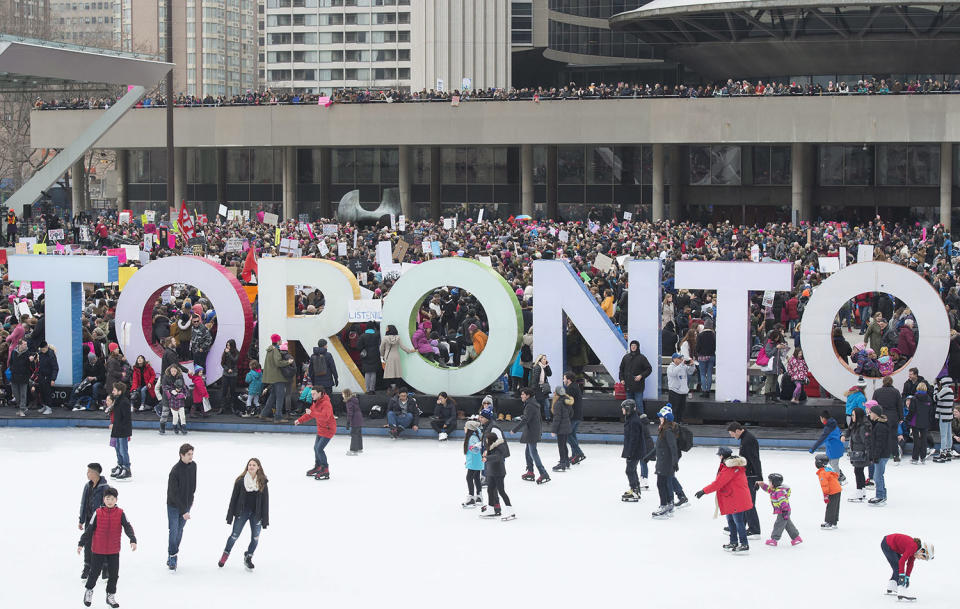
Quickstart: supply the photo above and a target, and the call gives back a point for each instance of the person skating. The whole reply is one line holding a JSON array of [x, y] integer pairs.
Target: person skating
[[733, 497], [561, 409], [354, 422], [181, 486], [573, 390], [901, 551], [321, 411], [668, 458], [530, 432], [495, 457], [90, 501], [830, 484], [249, 502], [122, 428], [878, 451], [473, 451], [780, 500], [103, 537], [857, 434], [944, 414], [749, 450], [830, 439], [637, 446]]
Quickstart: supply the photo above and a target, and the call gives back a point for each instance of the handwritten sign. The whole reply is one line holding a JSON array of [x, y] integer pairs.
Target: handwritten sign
[[270, 219], [359, 311], [55, 234]]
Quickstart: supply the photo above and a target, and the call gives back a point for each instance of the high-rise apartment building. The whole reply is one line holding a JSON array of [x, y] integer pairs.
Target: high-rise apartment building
[[214, 41], [29, 18], [86, 23]]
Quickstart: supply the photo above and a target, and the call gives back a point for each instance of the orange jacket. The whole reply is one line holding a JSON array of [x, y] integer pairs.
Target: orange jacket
[[829, 481], [479, 341]]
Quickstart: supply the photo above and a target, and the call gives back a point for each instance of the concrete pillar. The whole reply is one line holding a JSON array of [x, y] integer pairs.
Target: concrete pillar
[[406, 182], [679, 155], [436, 173], [122, 158], [553, 211], [76, 188], [658, 183], [325, 203], [289, 183], [801, 167], [946, 184], [526, 179], [222, 177], [179, 176]]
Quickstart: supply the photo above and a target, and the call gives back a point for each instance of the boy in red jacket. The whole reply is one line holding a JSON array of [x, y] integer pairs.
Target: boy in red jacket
[[901, 551], [733, 497], [104, 537], [321, 411]]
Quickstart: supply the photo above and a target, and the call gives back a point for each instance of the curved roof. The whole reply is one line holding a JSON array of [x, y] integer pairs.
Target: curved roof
[[664, 8]]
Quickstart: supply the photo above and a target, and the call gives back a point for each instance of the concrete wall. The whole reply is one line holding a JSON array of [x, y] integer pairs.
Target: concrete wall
[[900, 119]]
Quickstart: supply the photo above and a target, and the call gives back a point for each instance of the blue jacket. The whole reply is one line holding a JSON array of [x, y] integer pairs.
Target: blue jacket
[[830, 439], [474, 452], [855, 400], [254, 380]]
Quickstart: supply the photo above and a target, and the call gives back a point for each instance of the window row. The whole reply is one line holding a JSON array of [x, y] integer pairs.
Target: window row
[[338, 74], [334, 3]]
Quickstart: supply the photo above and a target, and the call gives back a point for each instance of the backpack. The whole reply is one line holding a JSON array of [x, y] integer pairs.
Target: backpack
[[290, 371], [684, 438], [318, 362], [526, 355]]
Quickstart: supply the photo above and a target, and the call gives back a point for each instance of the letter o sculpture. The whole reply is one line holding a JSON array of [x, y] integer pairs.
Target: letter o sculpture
[[816, 329]]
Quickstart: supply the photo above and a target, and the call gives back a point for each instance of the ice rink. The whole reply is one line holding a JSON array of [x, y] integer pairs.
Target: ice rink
[[387, 530]]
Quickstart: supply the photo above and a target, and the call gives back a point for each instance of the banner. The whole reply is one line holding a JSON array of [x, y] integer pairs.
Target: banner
[[186, 222]]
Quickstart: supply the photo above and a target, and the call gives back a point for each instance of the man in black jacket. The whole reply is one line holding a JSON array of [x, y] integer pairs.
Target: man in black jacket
[[47, 369], [634, 370], [878, 451], [889, 399], [181, 485], [90, 501], [530, 430], [749, 450], [574, 391], [20, 375]]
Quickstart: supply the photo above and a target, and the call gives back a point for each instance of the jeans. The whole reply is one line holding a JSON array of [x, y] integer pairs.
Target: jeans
[[706, 373], [864, 317], [575, 444], [20, 393], [545, 405], [835, 464], [533, 458], [399, 420], [879, 482], [123, 452], [320, 457], [892, 558], [677, 489], [277, 393], [175, 523], [738, 528], [946, 436], [144, 392], [636, 396], [238, 522]]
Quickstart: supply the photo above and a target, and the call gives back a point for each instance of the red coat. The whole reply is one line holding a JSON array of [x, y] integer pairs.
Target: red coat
[[144, 377], [199, 388], [906, 547], [790, 311], [733, 495], [321, 411]]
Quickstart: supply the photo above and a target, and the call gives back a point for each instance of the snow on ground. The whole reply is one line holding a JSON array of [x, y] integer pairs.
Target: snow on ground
[[387, 530]]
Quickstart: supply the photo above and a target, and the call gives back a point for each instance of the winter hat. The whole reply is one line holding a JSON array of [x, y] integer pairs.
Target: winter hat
[[471, 328], [628, 405], [725, 452], [666, 412], [197, 369], [113, 347], [635, 342], [274, 338], [876, 408], [560, 390], [487, 413], [861, 382], [283, 346], [487, 399], [472, 425]]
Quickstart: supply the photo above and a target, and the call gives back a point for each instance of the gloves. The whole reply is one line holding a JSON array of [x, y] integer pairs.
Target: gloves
[[826, 498], [699, 494], [904, 580]]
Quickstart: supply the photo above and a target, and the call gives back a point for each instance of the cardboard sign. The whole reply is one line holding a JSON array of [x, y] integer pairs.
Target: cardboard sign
[[425, 246], [384, 253], [84, 234], [401, 251], [55, 234], [564, 236], [359, 311], [603, 263], [124, 217], [341, 248], [39, 248], [271, 219], [755, 253], [222, 210], [402, 223], [480, 216], [322, 248], [233, 244], [21, 249], [330, 229], [864, 253], [448, 223], [768, 298], [627, 216], [151, 216], [132, 251], [829, 264]]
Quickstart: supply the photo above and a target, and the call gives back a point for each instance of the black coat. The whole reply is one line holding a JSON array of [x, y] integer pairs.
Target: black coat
[[122, 418], [261, 512], [446, 412], [633, 364], [750, 450], [920, 411], [19, 368], [879, 446], [181, 485], [668, 454], [496, 466], [529, 427], [859, 449], [229, 362], [170, 358], [92, 499], [636, 438], [842, 348], [47, 365], [574, 391], [371, 361]]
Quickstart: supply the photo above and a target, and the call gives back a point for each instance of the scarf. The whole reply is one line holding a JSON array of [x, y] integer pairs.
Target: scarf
[[250, 483]]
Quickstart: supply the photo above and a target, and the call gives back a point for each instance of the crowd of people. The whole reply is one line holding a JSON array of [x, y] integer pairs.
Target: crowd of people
[[571, 91]]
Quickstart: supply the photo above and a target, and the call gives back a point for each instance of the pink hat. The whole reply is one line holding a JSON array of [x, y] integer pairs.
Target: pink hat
[[274, 338]]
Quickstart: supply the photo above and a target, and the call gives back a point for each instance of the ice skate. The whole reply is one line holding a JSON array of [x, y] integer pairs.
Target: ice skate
[[903, 596], [528, 476], [631, 496], [742, 549], [112, 600], [443, 436], [644, 485], [860, 496], [772, 542], [176, 429], [322, 474], [681, 502], [352, 453], [796, 541], [891, 587], [124, 474], [664, 511], [826, 526], [576, 460], [877, 502], [223, 559], [248, 562], [87, 597], [942, 457], [470, 503], [561, 467], [543, 479], [490, 512], [729, 547], [172, 562], [313, 470], [116, 470], [163, 429], [508, 514]]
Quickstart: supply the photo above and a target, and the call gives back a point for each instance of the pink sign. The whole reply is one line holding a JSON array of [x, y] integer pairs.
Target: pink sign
[[36, 285], [150, 228], [119, 252], [171, 242]]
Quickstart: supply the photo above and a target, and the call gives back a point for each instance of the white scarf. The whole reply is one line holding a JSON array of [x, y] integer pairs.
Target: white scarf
[[250, 483]]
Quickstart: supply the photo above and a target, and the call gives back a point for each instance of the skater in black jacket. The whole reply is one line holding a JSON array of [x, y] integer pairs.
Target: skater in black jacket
[[181, 485], [250, 502], [90, 501], [495, 459], [530, 433], [668, 460], [749, 450], [636, 446]]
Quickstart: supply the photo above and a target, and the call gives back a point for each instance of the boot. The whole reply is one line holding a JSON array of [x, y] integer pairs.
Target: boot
[[223, 559], [859, 496], [323, 474], [112, 600], [528, 476], [248, 561], [183, 429], [176, 428], [88, 597], [163, 427]]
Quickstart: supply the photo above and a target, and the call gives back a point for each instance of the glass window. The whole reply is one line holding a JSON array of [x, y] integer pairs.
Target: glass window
[[500, 166], [342, 163], [602, 164], [539, 164], [421, 165], [479, 165], [389, 166], [761, 164], [858, 165], [725, 165], [923, 165], [453, 165], [831, 165], [780, 170], [366, 166], [139, 170], [238, 165], [263, 166], [891, 165], [570, 165], [201, 166], [699, 165]]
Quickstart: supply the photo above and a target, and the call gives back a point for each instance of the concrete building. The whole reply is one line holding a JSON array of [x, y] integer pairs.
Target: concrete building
[[85, 23], [214, 41], [25, 17]]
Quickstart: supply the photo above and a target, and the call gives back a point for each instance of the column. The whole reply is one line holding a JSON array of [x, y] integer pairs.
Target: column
[[679, 155], [526, 179], [77, 186], [222, 177], [436, 173], [179, 176], [289, 183], [405, 182], [800, 183], [552, 210], [658, 183], [946, 184], [121, 159], [325, 209]]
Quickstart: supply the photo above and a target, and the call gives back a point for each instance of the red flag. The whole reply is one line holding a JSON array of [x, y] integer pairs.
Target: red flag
[[186, 222], [250, 265]]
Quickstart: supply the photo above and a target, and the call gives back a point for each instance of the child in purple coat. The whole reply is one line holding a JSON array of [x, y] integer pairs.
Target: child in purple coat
[[780, 500], [354, 422]]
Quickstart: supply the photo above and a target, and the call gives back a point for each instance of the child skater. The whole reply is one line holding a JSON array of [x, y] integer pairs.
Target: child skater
[[473, 449], [175, 394], [254, 381], [830, 483], [901, 551], [322, 413], [780, 500], [495, 458], [103, 535], [354, 422]]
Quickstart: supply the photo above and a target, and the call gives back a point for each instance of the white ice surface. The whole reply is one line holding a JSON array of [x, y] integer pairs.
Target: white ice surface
[[387, 530]]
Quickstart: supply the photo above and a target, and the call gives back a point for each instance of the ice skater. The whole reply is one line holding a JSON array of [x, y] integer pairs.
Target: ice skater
[[830, 484], [901, 551], [250, 502], [90, 501], [780, 500], [637, 447], [181, 486], [830, 439], [668, 459], [473, 450], [495, 457], [530, 431], [733, 497], [321, 411], [121, 428], [103, 537], [562, 410], [354, 422]]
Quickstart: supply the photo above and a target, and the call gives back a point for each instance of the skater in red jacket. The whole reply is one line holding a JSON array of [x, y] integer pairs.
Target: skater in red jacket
[[901, 551], [103, 535], [733, 497], [321, 411]]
